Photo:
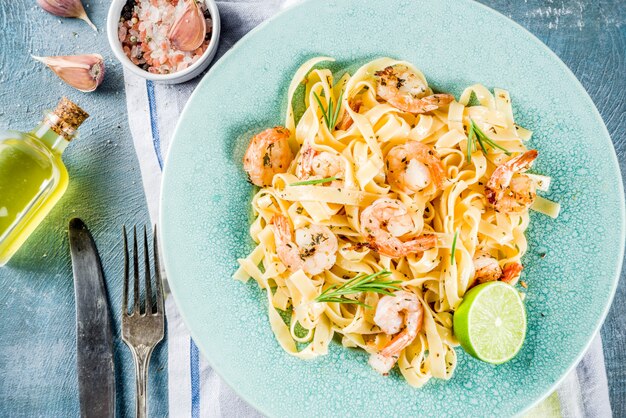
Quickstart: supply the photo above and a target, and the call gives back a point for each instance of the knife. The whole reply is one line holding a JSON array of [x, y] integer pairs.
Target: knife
[[94, 339]]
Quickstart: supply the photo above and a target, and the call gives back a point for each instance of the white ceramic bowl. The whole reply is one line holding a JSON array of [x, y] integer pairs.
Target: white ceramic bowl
[[188, 73]]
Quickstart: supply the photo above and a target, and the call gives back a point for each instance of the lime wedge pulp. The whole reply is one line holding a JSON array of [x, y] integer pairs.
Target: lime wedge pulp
[[490, 323]]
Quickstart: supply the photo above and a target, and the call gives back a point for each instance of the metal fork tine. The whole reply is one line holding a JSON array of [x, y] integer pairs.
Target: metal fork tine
[[136, 272], [157, 274], [125, 292], [146, 250], [142, 332]]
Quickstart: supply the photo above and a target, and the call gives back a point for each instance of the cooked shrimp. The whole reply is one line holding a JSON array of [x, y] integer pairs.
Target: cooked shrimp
[[391, 313], [346, 119], [268, 154], [404, 90], [413, 166], [486, 268], [313, 251], [511, 272], [385, 221], [317, 165], [507, 189]]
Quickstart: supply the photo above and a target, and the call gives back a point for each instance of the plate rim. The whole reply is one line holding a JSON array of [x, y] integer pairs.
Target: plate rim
[[541, 45]]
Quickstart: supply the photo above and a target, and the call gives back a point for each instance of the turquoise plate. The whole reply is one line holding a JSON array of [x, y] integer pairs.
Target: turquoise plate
[[572, 263]]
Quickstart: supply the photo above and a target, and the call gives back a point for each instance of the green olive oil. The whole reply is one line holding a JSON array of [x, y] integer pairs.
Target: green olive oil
[[32, 175]]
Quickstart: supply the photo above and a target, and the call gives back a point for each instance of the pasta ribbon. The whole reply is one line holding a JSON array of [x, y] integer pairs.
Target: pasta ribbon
[[469, 138]]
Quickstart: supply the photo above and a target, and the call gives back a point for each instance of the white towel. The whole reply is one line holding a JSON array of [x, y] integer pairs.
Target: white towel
[[195, 390]]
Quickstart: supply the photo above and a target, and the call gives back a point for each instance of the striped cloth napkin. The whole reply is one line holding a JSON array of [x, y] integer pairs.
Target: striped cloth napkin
[[195, 390]]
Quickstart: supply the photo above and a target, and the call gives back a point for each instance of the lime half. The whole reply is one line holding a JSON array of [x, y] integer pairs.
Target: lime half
[[490, 323]]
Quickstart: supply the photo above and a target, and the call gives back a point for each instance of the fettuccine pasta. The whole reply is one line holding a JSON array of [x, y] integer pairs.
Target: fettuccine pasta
[[380, 206]]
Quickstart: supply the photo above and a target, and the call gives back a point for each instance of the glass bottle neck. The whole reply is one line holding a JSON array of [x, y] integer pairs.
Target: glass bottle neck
[[44, 132]]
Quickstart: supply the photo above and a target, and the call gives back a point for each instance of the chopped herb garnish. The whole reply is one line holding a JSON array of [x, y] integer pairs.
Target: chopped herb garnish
[[332, 112], [452, 258], [318, 181], [484, 139], [471, 139], [266, 161], [361, 283]]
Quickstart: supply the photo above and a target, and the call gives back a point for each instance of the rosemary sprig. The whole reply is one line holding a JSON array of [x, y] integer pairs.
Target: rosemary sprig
[[483, 138], [452, 252], [361, 283], [319, 102], [482, 146], [471, 139], [336, 114], [332, 112], [318, 181]]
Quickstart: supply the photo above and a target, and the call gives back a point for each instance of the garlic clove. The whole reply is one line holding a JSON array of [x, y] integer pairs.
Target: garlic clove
[[66, 8], [83, 72], [188, 31]]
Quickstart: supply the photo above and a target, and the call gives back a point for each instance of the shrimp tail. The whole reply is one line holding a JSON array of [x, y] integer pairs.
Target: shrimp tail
[[282, 229], [384, 360], [381, 363], [403, 339], [429, 156], [421, 243], [304, 167], [397, 344], [346, 119], [395, 248], [524, 161], [511, 272], [436, 168], [381, 248], [502, 175], [430, 103]]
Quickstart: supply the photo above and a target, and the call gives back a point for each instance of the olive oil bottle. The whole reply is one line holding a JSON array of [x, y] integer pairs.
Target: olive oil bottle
[[32, 175]]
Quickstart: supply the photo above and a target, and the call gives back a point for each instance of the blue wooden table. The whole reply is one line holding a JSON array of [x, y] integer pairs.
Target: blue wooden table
[[37, 335]]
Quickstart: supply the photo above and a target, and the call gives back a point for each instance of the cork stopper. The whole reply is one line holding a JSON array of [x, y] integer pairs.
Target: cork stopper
[[66, 118]]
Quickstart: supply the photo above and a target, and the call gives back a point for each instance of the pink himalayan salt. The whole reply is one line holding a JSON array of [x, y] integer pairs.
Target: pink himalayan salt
[[144, 37]]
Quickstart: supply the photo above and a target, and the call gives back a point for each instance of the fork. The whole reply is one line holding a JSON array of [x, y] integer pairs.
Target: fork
[[142, 331]]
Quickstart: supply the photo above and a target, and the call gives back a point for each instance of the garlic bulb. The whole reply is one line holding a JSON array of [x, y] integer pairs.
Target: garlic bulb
[[83, 72], [189, 30], [66, 8]]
